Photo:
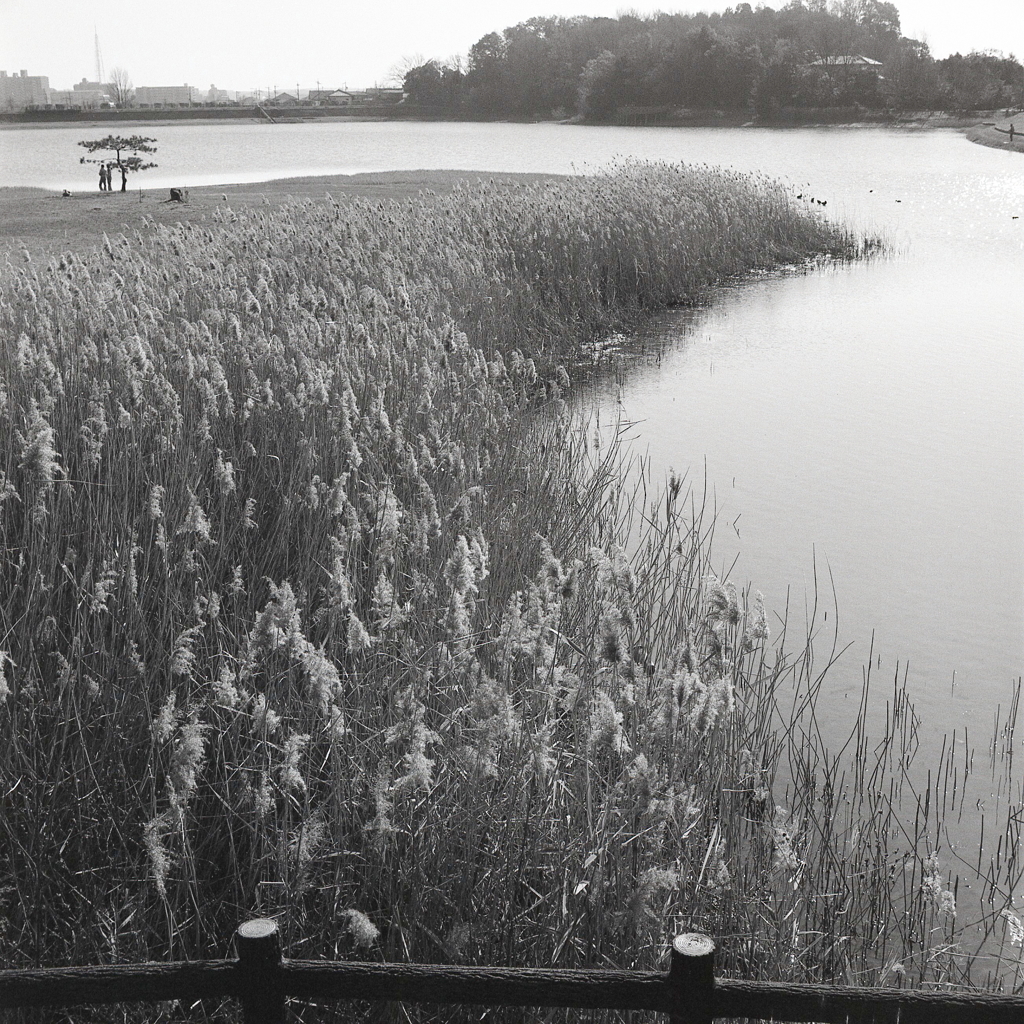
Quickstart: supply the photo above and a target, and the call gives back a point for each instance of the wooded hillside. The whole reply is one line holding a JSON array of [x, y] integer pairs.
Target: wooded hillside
[[808, 54]]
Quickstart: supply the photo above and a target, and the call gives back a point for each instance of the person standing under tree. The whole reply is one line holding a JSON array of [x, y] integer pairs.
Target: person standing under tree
[[104, 180], [130, 152]]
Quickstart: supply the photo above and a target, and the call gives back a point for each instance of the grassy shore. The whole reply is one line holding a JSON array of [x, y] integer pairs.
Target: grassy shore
[[316, 603], [995, 133], [46, 222]]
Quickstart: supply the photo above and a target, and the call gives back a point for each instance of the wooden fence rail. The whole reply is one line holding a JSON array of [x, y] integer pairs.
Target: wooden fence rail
[[261, 979]]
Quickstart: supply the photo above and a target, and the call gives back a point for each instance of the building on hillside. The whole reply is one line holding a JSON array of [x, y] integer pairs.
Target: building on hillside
[[165, 95], [378, 95], [23, 90], [90, 95], [846, 78], [330, 97], [853, 60]]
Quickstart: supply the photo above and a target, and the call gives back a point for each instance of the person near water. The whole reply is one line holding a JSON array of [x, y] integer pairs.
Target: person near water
[[103, 178], [1011, 131]]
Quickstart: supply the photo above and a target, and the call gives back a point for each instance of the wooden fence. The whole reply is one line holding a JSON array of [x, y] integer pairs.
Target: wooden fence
[[688, 992]]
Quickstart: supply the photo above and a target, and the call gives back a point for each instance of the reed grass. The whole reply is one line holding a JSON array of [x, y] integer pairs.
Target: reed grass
[[316, 603]]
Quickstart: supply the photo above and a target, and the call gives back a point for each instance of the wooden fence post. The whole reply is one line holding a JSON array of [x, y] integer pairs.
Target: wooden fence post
[[691, 974], [259, 966]]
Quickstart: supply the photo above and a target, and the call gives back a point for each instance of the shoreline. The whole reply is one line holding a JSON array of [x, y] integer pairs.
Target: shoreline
[[165, 121], [817, 117]]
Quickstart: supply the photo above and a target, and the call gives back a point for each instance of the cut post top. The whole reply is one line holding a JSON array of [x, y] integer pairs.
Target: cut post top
[[257, 928], [693, 944]]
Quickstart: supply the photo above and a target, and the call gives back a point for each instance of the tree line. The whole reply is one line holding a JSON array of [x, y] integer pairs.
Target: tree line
[[760, 60]]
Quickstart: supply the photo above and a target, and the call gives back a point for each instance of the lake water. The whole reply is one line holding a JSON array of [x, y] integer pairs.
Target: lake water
[[867, 420]]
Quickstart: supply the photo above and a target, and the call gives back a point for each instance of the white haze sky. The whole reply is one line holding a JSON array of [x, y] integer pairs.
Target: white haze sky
[[249, 44]]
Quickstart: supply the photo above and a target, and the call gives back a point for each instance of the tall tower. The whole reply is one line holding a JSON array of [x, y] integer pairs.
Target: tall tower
[[99, 56]]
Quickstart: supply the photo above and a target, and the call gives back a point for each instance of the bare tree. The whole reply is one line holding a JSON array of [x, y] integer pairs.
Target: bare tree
[[122, 92], [397, 72]]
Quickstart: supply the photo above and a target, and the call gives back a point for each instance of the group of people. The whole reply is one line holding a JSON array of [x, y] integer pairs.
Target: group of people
[[107, 174]]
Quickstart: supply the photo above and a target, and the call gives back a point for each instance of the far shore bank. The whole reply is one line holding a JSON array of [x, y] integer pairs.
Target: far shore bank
[[840, 117], [166, 118], [44, 221]]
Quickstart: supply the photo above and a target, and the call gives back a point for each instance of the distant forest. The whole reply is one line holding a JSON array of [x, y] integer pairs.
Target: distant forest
[[763, 61]]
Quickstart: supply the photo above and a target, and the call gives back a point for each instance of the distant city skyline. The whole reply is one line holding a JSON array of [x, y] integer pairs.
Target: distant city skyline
[[309, 44]]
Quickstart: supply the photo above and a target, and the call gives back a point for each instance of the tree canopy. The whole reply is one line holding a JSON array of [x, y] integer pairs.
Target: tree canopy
[[126, 149]]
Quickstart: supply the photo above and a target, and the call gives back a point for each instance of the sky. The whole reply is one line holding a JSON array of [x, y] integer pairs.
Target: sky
[[250, 44]]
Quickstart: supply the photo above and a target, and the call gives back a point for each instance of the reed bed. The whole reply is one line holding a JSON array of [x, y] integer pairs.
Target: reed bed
[[317, 604]]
